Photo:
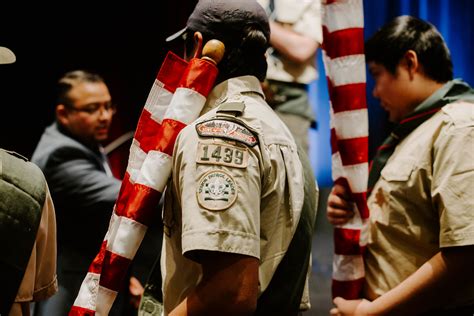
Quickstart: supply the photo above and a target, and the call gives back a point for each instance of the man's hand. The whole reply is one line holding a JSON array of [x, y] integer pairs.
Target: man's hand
[[350, 307], [340, 209]]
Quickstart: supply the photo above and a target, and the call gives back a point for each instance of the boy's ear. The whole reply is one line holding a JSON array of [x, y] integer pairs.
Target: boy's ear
[[410, 59]]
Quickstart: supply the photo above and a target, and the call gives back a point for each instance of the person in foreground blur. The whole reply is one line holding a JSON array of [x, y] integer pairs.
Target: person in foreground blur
[[296, 34], [240, 205], [81, 182], [27, 231], [420, 251]]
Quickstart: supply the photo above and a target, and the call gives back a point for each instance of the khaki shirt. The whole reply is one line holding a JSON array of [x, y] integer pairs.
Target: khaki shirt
[[39, 281], [229, 196], [303, 17], [423, 200]]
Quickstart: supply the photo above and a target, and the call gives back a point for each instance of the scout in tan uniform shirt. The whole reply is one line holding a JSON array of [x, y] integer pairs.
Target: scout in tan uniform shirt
[[420, 251], [239, 208], [296, 34]]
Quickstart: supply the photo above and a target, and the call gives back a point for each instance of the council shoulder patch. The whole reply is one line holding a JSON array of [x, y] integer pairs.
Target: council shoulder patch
[[226, 129], [216, 190]]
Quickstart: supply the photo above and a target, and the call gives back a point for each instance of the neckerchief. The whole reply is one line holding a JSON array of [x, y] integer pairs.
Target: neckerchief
[[452, 91]]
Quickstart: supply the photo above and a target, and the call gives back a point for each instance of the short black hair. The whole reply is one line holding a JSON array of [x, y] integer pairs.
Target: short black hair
[[70, 80], [390, 43], [244, 54]]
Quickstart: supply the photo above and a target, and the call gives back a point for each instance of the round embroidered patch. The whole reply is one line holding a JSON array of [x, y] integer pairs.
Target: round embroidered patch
[[216, 190]]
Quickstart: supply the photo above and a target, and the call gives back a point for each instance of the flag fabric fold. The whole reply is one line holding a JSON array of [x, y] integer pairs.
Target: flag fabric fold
[[344, 62], [176, 99]]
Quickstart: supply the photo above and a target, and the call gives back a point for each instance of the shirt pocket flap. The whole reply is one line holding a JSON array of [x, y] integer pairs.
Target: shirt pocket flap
[[399, 170]]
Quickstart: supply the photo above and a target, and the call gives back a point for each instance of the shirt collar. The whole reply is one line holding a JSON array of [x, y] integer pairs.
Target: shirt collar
[[230, 89]]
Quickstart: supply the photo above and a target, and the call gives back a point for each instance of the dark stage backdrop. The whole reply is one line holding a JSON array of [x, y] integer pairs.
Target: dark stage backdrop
[[124, 43]]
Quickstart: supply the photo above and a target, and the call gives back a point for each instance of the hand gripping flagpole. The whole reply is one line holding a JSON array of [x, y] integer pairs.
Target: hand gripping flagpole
[[343, 55], [175, 100]]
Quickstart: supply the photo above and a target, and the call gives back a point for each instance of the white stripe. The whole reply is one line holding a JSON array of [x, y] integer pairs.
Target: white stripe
[[185, 106], [343, 14], [351, 124], [135, 160], [113, 224], [158, 100], [87, 296], [149, 176], [356, 175], [105, 299], [346, 69], [347, 268], [128, 238]]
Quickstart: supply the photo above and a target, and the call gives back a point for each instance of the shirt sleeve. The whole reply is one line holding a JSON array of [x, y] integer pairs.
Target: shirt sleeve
[[39, 281], [453, 178], [219, 185]]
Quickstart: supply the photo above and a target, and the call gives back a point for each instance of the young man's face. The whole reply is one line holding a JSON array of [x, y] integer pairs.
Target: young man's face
[[393, 90], [90, 113]]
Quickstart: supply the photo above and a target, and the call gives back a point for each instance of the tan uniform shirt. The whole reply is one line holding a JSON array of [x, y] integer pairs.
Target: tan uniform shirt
[[423, 200], [228, 196], [39, 281], [303, 17]]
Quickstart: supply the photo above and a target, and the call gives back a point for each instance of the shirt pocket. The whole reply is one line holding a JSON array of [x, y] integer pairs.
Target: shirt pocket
[[399, 170]]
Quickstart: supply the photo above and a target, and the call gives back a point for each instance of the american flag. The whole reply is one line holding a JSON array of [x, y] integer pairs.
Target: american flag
[[344, 61], [176, 99]]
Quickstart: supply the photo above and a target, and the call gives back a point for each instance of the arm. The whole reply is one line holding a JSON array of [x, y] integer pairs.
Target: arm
[[229, 286], [426, 289], [75, 175], [294, 46], [340, 208]]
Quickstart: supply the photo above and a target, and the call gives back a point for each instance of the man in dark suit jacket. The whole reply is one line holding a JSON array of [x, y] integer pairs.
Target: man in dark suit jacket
[[80, 179]]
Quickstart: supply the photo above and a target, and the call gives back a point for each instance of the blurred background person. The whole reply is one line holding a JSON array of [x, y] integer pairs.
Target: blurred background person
[[72, 158], [27, 231], [296, 34]]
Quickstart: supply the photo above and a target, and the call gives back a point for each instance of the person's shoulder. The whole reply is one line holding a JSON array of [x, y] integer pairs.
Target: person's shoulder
[[459, 114], [19, 171]]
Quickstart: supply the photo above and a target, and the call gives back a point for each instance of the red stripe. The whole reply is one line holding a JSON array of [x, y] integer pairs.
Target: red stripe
[[343, 42], [146, 131], [360, 200], [349, 290], [347, 97], [113, 271], [200, 75], [80, 311], [167, 134], [346, 241], [96, 265], [171, 71], [354, 150], [142, 204], [125, 189]]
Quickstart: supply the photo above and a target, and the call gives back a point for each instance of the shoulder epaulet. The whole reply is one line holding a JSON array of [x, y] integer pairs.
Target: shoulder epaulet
[[227, 129], [234, 108], [15, 154]]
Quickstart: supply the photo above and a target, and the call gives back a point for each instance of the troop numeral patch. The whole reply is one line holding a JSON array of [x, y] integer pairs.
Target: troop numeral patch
[[216, 190], [220, 154]]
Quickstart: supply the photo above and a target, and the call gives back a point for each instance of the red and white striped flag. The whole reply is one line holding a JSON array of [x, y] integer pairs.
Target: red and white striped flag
[[344, 60], [175, 100]]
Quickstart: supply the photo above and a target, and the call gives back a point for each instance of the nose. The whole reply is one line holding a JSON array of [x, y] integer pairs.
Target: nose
[[104, 113], [375, 92]]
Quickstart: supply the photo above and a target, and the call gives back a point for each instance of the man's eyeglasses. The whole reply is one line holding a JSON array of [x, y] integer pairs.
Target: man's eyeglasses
[[95, 108]]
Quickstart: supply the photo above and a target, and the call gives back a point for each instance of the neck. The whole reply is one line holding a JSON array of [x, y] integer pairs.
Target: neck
[[426, 87]]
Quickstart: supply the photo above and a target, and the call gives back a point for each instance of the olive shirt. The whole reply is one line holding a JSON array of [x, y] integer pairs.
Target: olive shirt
[[238, 192], [423, 200]]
